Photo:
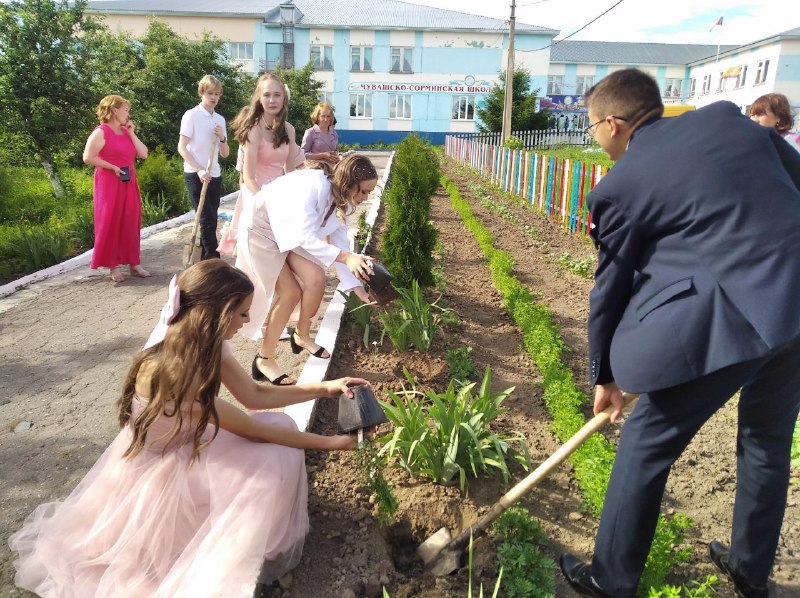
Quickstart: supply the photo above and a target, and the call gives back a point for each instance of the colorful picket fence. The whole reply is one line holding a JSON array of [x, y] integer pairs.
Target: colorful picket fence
[[557, 187]]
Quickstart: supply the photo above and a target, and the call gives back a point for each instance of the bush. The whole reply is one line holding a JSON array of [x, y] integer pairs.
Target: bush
[[160, 177], [43, 246], [513, 142], [410, 237]]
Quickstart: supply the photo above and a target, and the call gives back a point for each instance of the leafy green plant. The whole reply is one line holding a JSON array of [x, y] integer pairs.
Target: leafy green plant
[[371, 465], [460, 364], [161, 178], [796, 446], [666, 551], [362, 233], [361, 313], [81, 228], [530, 573], [153, 212], [694, 589], [447, 435], [583, 267], [412, 321], [42, 246], [513, 142]]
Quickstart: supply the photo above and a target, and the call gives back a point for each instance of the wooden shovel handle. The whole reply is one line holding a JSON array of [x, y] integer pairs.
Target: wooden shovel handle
[[201, 202], [521, 488]]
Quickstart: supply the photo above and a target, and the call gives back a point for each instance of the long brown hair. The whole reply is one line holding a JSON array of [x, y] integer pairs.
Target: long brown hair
[[348, 173], [251, 115], [186, 366]]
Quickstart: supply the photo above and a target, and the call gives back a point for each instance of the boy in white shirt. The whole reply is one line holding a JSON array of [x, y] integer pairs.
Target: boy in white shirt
[[199, 126]]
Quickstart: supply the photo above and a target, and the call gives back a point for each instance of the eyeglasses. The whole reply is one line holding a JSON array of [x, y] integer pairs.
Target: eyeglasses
[[590, 130]]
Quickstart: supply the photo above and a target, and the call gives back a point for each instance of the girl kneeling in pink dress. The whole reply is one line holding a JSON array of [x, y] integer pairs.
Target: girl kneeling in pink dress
[[194, 497]]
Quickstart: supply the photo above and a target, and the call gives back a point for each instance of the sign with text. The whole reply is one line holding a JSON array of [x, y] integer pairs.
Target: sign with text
[[420, 88]]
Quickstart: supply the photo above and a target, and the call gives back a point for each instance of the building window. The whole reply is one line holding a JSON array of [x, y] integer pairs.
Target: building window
[[463, 107], [692, 87], [361, 105], [583, 83], [322, 58], [326, 96], [706, 85], [361, 58], [241, 53], [741, 77], [761, 72], [672, 88], [555, 84], [399, 105], [401, 60]]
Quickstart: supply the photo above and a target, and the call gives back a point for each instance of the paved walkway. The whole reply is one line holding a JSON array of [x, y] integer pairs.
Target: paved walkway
[[65, 345]]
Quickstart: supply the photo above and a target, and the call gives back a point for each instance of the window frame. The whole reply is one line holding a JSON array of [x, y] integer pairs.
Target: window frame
[[670, 86], [583, 83], [401, 50], [551, 81], [706, 88], [741, 78], [394, 98], [762, 69], [455, 114], [692, 87], [324, 52], [367, 103], [362, 60]]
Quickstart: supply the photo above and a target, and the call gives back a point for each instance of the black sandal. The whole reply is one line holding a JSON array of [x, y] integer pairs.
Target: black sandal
[[296, 348], [260, 376]]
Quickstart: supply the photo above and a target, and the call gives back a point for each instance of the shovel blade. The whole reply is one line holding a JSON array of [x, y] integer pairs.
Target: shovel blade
[[430, 548], [191, 254]]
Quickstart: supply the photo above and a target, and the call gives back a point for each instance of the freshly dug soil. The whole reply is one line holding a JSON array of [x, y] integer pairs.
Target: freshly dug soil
[[348, 554]]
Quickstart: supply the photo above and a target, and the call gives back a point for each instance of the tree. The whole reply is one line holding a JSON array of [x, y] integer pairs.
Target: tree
[[45, 78], [304, 91], [523, 112], [166, 84]]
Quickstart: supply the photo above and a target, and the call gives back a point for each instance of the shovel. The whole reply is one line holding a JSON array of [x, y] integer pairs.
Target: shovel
[[192, 251], [442, 555]]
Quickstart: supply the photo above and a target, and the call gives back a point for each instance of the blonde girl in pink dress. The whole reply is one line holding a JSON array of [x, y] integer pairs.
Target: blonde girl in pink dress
[[195, 496], [111, 149], [270, 150]]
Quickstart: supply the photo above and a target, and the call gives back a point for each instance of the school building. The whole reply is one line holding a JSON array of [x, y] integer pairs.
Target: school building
[[389, 67]]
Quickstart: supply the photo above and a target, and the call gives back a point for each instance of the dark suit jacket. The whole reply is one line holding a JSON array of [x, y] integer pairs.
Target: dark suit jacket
[[698, 229]]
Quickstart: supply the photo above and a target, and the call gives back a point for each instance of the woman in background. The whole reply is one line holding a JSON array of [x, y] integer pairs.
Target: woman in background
[[111, 149], [321, 141], [773, 110]]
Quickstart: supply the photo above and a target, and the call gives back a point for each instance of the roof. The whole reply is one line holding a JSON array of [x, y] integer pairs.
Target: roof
[[631, 53], [789, 34], [355, 14]]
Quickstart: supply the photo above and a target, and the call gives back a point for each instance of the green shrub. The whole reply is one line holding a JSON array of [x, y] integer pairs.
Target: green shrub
[[154, 211], [410, 236], [446, 435], [42, 246], [81, 227], [230, 179], [513, 142], [26, 196], [530, 573], [161, 177]]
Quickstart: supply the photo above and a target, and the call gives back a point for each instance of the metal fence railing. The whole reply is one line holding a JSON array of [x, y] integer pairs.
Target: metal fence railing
[[534, 139], [556, 186]]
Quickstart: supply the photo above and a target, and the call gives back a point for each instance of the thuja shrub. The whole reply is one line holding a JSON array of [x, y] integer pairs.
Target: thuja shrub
[[593, 460], [410, 236]]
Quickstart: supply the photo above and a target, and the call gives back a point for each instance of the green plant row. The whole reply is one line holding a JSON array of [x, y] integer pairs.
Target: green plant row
[[529, 571], [593, 460]]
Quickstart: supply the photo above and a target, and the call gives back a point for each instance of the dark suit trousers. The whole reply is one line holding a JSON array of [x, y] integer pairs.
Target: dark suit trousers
[[656, 433], [208, 218]]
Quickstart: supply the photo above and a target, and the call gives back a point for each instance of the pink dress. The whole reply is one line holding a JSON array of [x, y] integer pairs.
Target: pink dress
[[117, 205], [154, 526], [269, 167]]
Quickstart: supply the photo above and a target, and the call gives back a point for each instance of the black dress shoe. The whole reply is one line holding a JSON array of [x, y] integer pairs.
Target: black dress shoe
[[720, 556], [579, 576]]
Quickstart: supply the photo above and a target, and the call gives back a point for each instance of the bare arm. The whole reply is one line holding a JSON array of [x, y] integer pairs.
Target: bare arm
[[141, 148], [292, 158], [91, 153], [238, 422], [251, 159]]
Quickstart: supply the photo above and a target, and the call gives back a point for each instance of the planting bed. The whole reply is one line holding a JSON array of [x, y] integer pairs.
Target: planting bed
[[349, 554]]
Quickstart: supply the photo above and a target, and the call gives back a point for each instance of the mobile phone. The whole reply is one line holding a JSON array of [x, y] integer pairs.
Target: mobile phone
[[126, 174]]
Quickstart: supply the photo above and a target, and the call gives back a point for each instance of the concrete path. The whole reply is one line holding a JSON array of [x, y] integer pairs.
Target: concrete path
[[66, 343]]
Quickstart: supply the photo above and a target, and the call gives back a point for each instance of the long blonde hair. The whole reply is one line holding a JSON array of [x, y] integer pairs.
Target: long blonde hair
[[186, 366], [250, 116], [348, 173]]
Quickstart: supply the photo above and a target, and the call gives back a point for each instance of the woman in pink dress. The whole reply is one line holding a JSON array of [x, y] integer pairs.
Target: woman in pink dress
[[194, 497], [111, 149], [270, 151]]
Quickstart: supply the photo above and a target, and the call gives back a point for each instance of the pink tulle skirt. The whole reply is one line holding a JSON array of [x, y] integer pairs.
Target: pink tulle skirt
[[154, 527]]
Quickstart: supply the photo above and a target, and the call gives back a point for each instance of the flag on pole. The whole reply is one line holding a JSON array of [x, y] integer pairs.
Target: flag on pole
[[718, 22]]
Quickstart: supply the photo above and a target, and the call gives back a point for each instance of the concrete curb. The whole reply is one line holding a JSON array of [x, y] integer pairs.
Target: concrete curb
[[315, 368], [85, 258]]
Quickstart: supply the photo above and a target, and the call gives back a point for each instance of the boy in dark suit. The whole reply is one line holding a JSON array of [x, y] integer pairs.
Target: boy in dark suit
[[695, 297]]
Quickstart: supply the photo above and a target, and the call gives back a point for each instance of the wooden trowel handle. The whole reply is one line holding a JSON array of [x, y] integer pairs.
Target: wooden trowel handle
[[537, 475]]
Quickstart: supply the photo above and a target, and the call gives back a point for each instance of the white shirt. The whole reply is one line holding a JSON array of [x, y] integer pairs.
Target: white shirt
[[198, 126]]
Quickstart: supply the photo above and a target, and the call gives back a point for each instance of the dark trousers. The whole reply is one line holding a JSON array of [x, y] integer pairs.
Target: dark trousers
[[208, 218], [656, 433]]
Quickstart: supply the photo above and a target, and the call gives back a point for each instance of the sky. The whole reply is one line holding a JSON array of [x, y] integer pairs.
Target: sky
[[672, 21]]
